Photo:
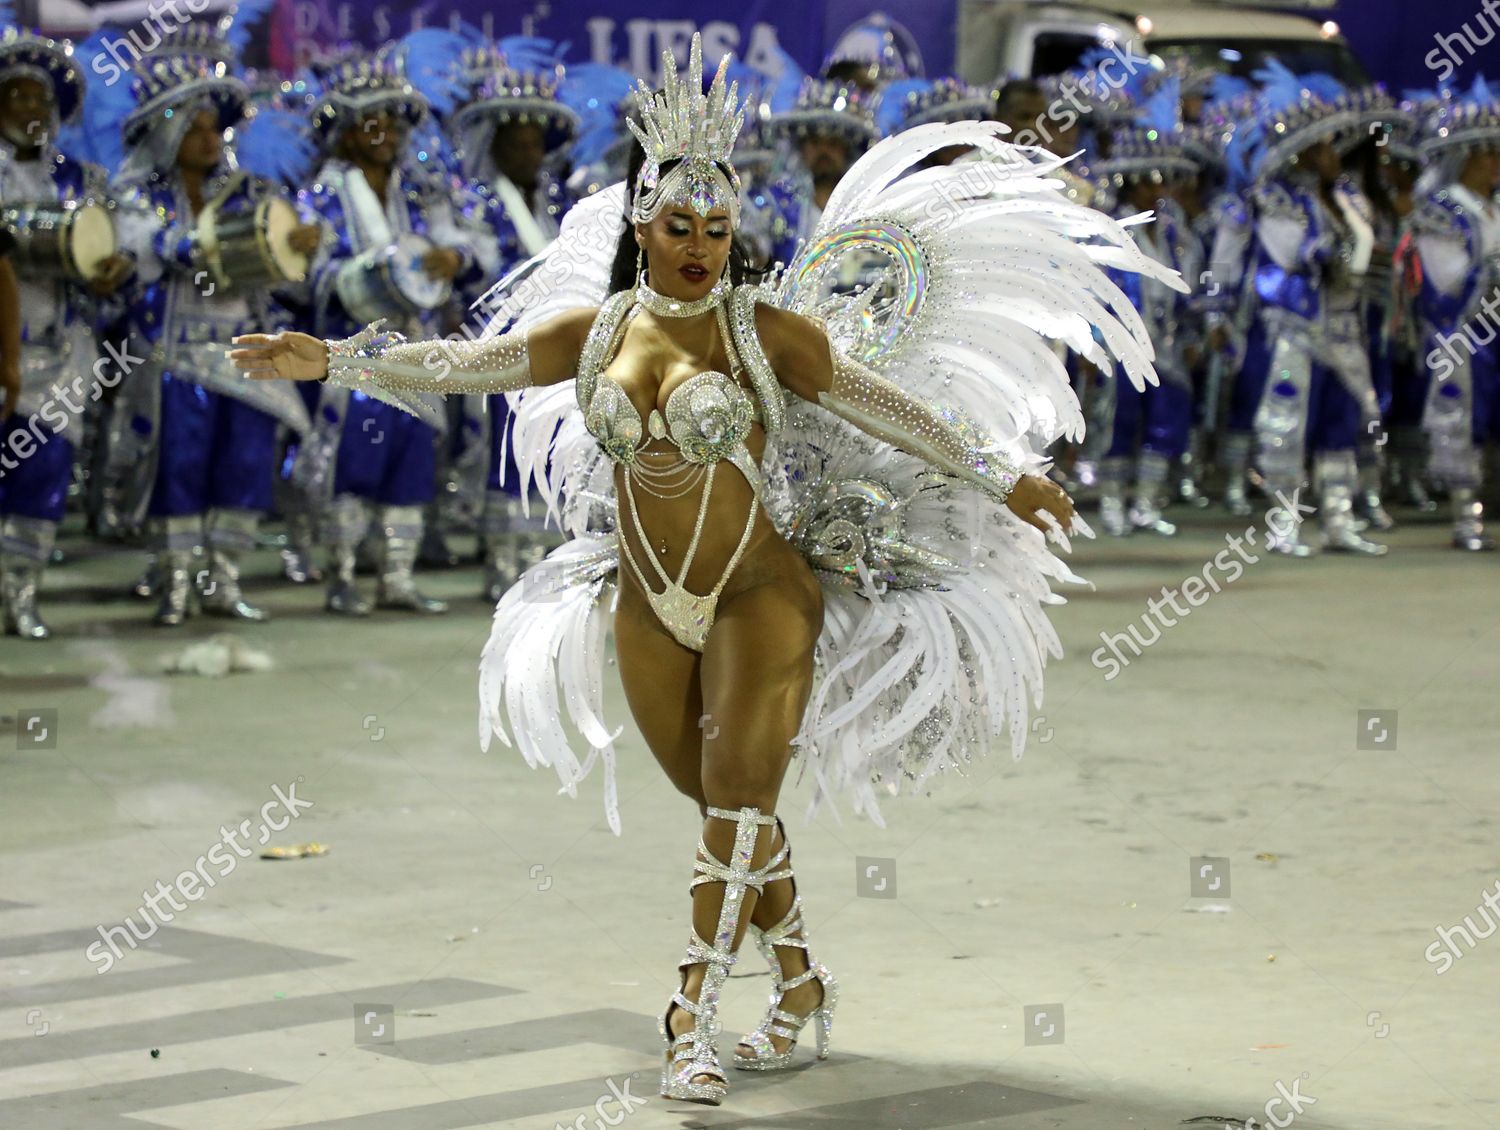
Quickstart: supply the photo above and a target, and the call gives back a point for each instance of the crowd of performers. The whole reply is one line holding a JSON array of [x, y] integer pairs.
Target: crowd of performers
[[1343, 248]]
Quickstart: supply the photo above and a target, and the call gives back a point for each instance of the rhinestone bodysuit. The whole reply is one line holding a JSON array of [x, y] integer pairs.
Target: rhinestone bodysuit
[[707, 418]]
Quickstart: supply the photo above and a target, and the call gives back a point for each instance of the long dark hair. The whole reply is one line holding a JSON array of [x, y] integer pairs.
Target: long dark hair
[[742, 267]]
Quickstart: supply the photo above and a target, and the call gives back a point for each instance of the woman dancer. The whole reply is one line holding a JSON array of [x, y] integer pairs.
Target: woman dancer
[[820, 544]]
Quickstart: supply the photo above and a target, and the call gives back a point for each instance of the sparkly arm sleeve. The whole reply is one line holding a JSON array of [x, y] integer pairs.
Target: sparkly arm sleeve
[[386, 366], [884, 410]]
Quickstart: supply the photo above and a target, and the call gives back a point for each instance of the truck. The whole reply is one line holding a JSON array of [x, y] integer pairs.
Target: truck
[[1002, 39]]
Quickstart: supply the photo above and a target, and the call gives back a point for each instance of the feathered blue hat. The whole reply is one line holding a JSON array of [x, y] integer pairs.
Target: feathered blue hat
[[160, 87], [527, 97], [908, 103], [1151, 149], [356, 87], [1465, 124], [26, 54], [1292, 113], [826, 107], [1377, 114]]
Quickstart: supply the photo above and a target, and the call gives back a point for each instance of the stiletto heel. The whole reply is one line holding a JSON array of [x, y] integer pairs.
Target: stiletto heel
[[695, 1052], [790, 931]]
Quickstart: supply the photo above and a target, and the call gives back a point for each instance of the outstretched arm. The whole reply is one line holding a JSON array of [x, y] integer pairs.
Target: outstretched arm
[[387, 366], [806, 362]]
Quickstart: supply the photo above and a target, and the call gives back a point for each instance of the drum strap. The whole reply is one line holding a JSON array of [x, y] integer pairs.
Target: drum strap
[[528, 231]]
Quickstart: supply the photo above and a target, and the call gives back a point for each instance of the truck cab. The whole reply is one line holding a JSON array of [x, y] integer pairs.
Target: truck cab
[[1000, 39]]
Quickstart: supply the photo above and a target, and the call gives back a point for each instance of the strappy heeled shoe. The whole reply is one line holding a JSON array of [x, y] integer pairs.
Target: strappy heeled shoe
[[695, 1052], [790, 931]]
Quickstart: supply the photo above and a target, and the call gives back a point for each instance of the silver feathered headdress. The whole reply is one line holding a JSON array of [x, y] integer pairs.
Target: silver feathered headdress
[[681, 123]]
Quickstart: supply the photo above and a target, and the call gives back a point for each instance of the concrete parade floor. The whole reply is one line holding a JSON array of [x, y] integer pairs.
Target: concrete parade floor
[[1217, 880]]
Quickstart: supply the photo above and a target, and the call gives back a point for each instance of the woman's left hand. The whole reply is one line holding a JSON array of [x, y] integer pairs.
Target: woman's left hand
[[1033, 493]]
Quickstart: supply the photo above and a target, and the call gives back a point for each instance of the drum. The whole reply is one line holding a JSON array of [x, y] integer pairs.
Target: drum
[[59, 241], [386, 281], [253, 248]]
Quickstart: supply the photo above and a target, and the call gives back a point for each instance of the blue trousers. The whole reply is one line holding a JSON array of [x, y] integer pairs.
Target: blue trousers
[[385, 455], [1333, 417], [1484, 372], [216, 452], [34, 485], [1159, 418]]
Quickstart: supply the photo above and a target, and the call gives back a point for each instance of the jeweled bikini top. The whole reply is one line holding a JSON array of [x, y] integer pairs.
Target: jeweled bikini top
[[707, 417]]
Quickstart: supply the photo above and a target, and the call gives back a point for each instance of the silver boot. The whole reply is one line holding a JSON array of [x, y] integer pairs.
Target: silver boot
[[1336, 476], [1369, 504], [345, 521], [1190, 470], [146, 585], [497, 523], [230, 534], [1236, 473], [401, 528], [180, 561], [1468, 522], [1283, 529], [500, 566], [344, 596], [25, 546], [297, 563], [1150, 484], [1113, 515]]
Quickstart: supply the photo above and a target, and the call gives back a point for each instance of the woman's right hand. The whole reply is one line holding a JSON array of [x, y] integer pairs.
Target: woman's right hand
[[286, 356]]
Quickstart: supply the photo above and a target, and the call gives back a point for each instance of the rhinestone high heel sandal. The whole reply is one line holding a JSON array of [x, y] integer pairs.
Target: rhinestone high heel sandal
[[790, 931], [694, 1053]]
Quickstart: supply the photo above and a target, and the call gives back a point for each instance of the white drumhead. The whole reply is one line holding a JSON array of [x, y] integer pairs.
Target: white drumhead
[[411, 278], [280, 221], [91, 238]]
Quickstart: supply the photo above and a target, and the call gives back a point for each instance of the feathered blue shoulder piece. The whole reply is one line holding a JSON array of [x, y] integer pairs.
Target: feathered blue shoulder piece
[[96, 135], [1226, 88], [275, 144], [236, 27], [1162, 112], [431, 59]]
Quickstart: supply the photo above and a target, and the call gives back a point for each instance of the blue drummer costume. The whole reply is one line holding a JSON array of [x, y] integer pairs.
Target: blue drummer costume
[[1380, 124], [194, 446], [57, 347], [1149, 428], [363, 453], [524, 220], [1457, 233], [822, 109], [1305, 385]]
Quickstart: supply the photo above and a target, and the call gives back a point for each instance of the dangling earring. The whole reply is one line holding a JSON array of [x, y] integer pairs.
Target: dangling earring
[[639, 252]]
